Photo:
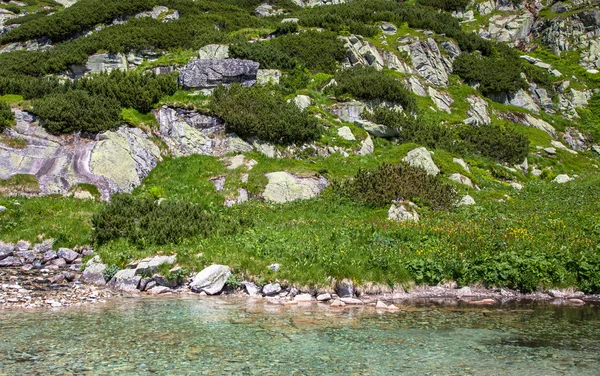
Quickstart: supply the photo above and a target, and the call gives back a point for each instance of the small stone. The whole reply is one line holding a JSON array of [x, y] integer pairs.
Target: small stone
[[562, 178], [59, 262], [381, 305], [483, 302], [274, 267], [466, 201], [10, 261], [151, 284], [303, 298], [352, 301], [576, 301], [556, 294], [346, 134], [49, 256], [251, 288], [68, 255], [516, 185], [392, 307], [2, 209], [337, 303], [550, 151], [27, 267], [324, 297], [159, 290], [367, 146], [271, 289]]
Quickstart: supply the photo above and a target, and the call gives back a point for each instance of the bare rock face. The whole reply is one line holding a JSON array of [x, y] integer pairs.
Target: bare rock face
[[361, 53], [430, 63], [212, 72], [116, 161], [285, 187]]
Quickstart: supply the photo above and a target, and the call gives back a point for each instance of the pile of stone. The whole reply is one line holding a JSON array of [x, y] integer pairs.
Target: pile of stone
[[41, 256]]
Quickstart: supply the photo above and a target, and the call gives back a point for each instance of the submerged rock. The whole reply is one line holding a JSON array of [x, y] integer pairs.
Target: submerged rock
[[211, 280]]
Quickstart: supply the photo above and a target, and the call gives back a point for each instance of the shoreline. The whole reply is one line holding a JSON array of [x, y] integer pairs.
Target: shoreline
[[28, 290]]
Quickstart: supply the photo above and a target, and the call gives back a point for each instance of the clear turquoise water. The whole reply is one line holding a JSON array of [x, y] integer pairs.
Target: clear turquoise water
[[189, 336]]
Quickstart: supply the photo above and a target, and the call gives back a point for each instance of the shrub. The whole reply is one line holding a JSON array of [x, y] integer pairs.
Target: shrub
[[371, 84], [110, 272], [143, 222], [286, 28], [388, 182], [495, 141], [6, 116], [263, 113], [495, 75], [316, 51], [76, 110]]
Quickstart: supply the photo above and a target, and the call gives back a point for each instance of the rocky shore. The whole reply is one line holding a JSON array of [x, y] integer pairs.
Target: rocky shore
[[39, 277]]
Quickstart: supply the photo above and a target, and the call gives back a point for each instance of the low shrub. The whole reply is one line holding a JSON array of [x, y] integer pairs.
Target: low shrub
[[76, 110], [447, 5], [494, 75], [388, 182], [316, 51], [143, 222], [495, 141], [371, 84], [263, 113], [6, 116]]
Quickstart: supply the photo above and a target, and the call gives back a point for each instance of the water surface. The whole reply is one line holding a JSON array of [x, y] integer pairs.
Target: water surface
[[180, 336]]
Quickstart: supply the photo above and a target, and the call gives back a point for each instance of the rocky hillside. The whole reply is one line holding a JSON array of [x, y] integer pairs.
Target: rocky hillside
[[434, 112]]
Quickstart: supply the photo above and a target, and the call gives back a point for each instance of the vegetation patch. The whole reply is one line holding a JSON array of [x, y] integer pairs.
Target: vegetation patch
[[6, 116]]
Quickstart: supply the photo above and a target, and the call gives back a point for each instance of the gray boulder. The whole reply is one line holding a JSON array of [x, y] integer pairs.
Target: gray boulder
[[466, 200], [94, 274], [251, 288], [345, 288], [367, 146], [27, 256], [346, 134], [67, 254], [562, 178], [285, 187], [302, 101], [151, 265], [211, 280], [6, 250], [106, 62], [49, 256], [212, 72], [478, 112], [10, 261], [403, 211], [429, 62], [271, 289], [461, 179], [421, 158], [125, 280]]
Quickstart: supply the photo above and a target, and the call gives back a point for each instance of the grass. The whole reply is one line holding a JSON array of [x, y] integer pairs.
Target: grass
[[135, 118], [20, 184]]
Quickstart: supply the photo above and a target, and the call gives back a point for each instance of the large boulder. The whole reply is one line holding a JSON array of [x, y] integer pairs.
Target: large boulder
[[106, 62], [10, 261], [94, 274], [150, 265], [285, 187], [361, 53], [212, 72], [125, 280], [421, 158], [187, 132], [403, 212], [430, 63], [211, 280]]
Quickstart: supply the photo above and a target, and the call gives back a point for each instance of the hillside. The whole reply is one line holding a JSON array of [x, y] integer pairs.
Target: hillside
[[389, 143]]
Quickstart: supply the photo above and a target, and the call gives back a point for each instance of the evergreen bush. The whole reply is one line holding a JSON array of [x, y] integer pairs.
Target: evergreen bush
[[6, 116]]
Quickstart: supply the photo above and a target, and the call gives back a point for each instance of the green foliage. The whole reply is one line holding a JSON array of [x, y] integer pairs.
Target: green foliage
[[316, 51], [143, 222], [286, 28], [82, 16], [371, 84], [110, 272], [447, 5], [6, 116], [260, 112], [496, 141], [390, 182], [495, 75], [233, 281], [76, 110]]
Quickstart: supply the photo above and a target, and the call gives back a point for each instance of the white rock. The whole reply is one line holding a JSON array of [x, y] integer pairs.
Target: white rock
[[302, 101], [211, 280], [401, 212], [461, 179], [466, 200], [462, 163], [562, 178], [285, 187], [367, 146], [421, 157], [346, 134]]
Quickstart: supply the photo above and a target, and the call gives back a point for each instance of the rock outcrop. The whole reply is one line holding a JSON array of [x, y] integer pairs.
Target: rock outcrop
[[430, 63], [115, 161], [361, 53], [212, 72], [402, 212], [214, 52], [285, 187], [478, 112]]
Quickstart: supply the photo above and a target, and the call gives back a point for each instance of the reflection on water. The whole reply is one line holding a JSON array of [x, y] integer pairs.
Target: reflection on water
[[238, 336]]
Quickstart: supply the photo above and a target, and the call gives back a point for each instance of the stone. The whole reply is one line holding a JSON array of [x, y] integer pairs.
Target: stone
[[268, 76], [106, 62], [302, 102], [516, 185], [394, 63], [466, 200], [94, 274], [442, 101], [575, 139], [274, 267], [522, 99], [284, 187], [461, 179], [251, 288], [337, 303], [346, 134], [165, 282], [303, 298], [2, 209], [10, 261], [478, 112], [149, 285], [540, 124], [67, 254], [6, 250], [352, 301], [367, 146], [345, 288], [187, 132], [324, 297], [212, 72], [421, 158], [290, 20], [211, 280], [271, 289], [60, 262], [556, 294], [483, 302], [144, 283], [388, 28], [562, 178], [559, 7], [27, 256], [403, 212], [267, 10], [361, 53], [380, 305], [214, 52], [462, 163], [125, 280], [416, 87], [578, 302], [550, 151], [429, 62], [156, 290], [596, 149]]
